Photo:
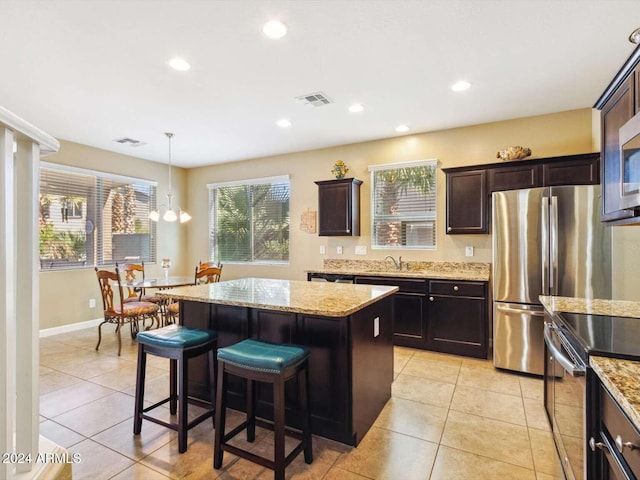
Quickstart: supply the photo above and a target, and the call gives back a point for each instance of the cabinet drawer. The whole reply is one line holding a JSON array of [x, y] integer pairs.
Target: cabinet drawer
[[450, 287], [618, 425], [405, 284]]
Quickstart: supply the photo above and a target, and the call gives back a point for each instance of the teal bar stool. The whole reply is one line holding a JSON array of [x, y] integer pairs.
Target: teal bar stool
[[178, 344], [272, 363]]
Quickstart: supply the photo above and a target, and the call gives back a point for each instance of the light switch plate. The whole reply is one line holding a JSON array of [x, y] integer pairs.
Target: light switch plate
[[339, 249], [468, 251], [361, 249]]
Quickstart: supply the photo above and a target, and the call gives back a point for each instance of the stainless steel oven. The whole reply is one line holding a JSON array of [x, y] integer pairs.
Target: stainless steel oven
[[565, 399]]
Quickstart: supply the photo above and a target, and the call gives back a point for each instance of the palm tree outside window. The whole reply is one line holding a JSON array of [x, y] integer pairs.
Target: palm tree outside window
[[403, 205]]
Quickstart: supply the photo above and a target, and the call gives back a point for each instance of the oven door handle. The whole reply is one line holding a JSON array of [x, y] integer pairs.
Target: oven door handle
[[571, 368]]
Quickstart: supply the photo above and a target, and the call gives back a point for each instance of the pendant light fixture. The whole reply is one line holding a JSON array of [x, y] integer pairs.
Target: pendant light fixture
[[169, 214]]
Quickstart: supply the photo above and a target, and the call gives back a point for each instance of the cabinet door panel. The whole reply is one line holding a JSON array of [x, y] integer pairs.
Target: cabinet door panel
[[458, 325], [467, 202], [339, 207], [513, 178], [572, 172], [409, 314]]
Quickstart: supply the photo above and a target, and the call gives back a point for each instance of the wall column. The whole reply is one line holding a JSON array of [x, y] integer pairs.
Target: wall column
[[27, 173], [19, 291], [7, 300]]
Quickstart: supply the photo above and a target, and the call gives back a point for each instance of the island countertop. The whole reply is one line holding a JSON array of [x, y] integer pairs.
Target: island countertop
[[327, 299]]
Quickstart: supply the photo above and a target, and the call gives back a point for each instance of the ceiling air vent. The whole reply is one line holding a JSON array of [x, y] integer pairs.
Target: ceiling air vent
[[317, 99], [129, 141]]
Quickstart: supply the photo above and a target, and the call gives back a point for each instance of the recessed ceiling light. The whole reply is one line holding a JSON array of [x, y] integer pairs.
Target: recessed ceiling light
[[356, 107], [274, 29], [402, 128], [283, 122], [460, 86], [179, 64]]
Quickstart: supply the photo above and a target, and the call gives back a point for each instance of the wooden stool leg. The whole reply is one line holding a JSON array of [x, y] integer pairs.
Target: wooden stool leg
[[220, 416], [305, 408], [173, 386], [139, 402], [211, 375], [183, 364], [251, 413], [278, 428]]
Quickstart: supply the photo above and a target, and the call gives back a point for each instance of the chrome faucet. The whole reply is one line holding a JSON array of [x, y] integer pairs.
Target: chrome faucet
[[396, 263]]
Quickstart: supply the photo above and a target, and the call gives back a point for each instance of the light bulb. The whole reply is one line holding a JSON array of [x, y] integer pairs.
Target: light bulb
[[274, 29], [154, 216], [184, 216], [170, 216]]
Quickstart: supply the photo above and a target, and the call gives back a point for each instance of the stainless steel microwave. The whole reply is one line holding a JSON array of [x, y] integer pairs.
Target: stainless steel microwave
[[630, 162]]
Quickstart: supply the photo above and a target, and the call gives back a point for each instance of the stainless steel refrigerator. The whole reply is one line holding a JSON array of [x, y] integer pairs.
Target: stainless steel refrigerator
[[546, 241]]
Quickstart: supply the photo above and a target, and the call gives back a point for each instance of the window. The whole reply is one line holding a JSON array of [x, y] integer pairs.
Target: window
[[249, 221], [89, 218], [403, 205]]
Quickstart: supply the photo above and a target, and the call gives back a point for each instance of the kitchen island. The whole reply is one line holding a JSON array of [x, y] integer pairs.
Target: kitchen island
[[348, 329]]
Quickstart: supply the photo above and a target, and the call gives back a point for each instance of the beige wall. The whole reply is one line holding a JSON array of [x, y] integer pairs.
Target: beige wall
[[64, 295], [548, 135]]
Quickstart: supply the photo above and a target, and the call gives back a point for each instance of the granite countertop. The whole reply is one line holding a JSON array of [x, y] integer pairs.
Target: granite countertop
[[472, 271], [326, 299], [622, 379], [617, 308]]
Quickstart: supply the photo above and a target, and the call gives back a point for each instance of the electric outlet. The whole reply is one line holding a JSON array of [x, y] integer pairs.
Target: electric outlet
[[92, 303], [323, 250], [469, 251], [361, 249], [376, 326], [339, 249]]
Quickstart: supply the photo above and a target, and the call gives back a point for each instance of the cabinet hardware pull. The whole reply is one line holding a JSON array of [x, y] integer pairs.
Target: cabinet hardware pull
[[593, 445], [431, 299], [449, 229], [620, 445], [455, 288]]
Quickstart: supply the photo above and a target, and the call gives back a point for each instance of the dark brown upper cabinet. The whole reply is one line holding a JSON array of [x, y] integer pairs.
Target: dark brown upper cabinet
[[467, 202], [469, 189], [514, 177], [339, 207], [619, 102]]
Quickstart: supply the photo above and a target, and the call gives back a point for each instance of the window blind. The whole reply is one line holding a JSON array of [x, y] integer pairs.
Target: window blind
[[249, 221], [87, 218], [404, 205]]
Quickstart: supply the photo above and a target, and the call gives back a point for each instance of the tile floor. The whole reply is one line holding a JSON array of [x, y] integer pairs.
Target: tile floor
[[449, 418]]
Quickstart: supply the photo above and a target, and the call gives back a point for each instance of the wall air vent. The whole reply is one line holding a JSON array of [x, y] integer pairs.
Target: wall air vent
[[317, 99], [129, 141]]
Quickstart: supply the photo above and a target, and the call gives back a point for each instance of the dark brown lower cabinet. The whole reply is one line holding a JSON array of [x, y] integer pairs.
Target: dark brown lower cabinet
[[458, 318], [616, 442], [350, 365], [451, 318], [410, 307]]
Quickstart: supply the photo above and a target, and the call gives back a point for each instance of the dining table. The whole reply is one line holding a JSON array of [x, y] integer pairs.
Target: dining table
[[161, 283]]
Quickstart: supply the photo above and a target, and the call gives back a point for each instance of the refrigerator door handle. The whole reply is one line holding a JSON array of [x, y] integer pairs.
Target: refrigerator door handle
[[553, 247], [519, 311], [545, 246]]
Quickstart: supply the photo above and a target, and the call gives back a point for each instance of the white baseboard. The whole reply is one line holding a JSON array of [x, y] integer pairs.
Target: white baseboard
[[47, 332]]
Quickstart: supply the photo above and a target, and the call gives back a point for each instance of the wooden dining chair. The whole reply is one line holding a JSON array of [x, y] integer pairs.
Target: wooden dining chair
[[118, 312], [202, 276], [203, 265], [131, 272]]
